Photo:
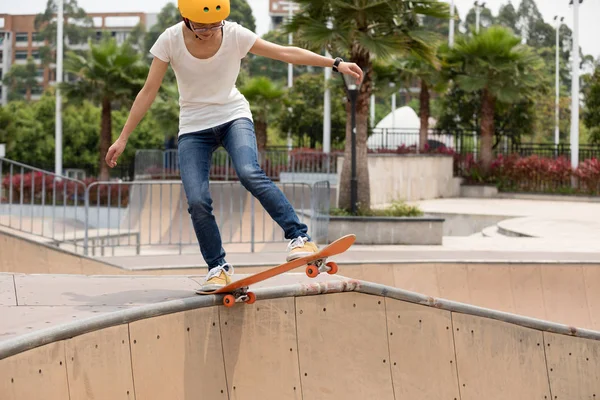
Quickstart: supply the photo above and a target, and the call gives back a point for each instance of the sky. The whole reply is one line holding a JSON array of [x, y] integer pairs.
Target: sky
[[589, 11]]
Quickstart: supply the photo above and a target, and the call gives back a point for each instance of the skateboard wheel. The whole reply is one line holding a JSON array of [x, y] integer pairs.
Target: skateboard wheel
[[229, 301], [333, 268], [312, 271], [251, 298]]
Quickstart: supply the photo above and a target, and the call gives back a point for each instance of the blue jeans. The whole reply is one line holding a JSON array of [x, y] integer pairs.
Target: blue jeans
[[239, 140]]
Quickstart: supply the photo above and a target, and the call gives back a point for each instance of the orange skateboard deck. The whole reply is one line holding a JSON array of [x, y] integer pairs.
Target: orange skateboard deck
[[237, 291]]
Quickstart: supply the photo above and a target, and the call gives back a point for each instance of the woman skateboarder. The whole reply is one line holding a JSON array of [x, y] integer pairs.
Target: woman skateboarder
[[205, 52]]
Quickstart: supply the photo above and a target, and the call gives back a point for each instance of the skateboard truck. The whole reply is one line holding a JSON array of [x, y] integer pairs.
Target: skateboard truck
[[241, 295], [315, 268]]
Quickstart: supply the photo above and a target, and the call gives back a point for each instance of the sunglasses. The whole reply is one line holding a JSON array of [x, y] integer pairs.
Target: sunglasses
[[207, 29]]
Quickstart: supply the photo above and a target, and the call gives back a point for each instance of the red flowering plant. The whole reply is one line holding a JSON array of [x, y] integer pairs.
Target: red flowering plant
[[41, 188], [588, 174]]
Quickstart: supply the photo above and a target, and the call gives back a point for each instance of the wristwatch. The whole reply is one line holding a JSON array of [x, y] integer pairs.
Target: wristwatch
[[337, 62]]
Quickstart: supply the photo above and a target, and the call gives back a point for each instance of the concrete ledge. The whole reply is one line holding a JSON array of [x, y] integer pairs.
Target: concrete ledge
[[388, 230], [478, 191], [548, 197]]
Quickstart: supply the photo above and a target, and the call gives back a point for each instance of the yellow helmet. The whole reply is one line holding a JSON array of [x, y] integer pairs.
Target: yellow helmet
[[204, 11]]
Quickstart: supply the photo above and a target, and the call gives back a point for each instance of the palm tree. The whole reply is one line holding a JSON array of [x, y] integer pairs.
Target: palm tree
[[109, 75], [496, 65], [263, 96], [361, 31], [428, 73]]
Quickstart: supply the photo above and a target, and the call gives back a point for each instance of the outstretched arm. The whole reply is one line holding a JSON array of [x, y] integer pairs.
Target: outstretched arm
[[141, 104], [298, 56]]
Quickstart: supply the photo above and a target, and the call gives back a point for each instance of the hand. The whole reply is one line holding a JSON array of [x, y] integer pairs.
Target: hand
[[114, 152], [348, 68]]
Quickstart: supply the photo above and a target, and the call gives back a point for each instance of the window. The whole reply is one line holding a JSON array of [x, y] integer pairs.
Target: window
[[21, 37], [39, 73], [21, 55], [37, 90], [35, 54], [36, 37]]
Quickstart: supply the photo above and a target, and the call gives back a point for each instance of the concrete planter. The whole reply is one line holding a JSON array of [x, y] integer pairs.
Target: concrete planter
[[388, 230], [478, 191]]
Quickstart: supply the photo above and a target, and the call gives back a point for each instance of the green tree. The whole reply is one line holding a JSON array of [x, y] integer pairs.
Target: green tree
[[591, 114], [110, 75], [427, 73], [496, 65], [241, 12], [24, 133], [272, 69], [168, 16], [486, 19], [20, 80], [77, 27], [508, 17], [362, 31], [263, 96], [165, 110], [305, 120]]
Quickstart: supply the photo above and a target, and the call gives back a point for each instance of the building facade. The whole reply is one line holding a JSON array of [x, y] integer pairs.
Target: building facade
[[279, 11], [19, 40]]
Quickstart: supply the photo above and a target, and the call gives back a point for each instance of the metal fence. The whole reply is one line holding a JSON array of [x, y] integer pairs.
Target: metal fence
[[144, 217], [278, 164], [40, 203]]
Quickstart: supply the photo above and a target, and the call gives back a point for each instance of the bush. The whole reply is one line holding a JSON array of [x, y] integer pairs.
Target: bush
[[313, 160], [535, 174], [397, 209], [588, 173], [37, 188]]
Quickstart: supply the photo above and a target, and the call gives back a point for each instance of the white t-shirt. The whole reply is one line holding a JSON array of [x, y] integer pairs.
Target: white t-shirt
[[208, 96]]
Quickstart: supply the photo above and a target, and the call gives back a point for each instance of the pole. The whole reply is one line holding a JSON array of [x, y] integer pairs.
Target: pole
[[290, 70], [290, 42], [451, 33], [327, 105], [394, 110], [575, 88], [353, 180], [372, 110], [556, 117], [59, 78], [477, 11]]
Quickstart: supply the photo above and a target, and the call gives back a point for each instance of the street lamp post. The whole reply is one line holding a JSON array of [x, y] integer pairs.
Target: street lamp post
[[478, 8], [451, 33], [353, 88], [556, 108], [575, 87], [291, 8], [58, 153]]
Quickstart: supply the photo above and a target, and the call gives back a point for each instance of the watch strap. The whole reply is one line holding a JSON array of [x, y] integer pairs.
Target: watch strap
[[336, 63]]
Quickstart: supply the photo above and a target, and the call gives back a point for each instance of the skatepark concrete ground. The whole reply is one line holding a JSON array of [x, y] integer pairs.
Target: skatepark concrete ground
[[491, 317]]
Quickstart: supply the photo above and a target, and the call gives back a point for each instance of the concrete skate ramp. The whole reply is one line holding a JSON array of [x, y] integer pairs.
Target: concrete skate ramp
[[30, 254], [338, 339], [558, 292]]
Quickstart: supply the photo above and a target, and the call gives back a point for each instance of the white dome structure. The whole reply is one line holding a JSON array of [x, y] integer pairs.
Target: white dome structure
[[402, 118], [398, 128]]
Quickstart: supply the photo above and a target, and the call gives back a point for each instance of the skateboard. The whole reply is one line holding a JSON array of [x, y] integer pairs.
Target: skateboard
[[237, 291]]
